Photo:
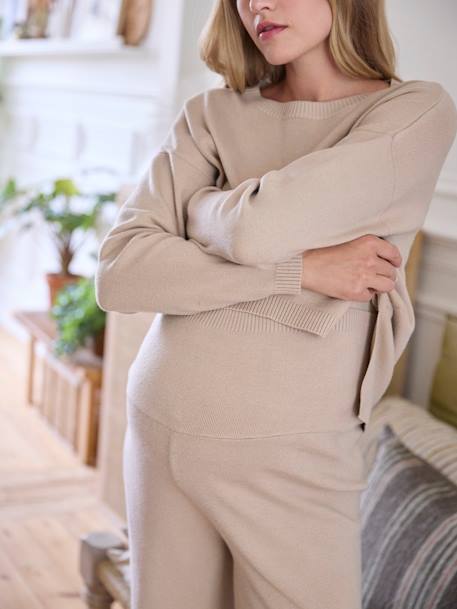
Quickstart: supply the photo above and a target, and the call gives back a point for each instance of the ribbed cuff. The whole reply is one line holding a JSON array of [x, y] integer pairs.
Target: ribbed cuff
[[288, 275]]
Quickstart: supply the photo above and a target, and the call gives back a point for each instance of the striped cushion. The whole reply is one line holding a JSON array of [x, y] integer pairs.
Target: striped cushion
[[421, 432], [409, 531]]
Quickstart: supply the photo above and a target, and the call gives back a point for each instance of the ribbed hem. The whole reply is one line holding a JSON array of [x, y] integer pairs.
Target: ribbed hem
[[239, 321], [265, 314], [288, 276], [293, 314]]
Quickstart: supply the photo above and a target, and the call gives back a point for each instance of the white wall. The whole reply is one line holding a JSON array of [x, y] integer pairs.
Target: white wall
[[425, 37]]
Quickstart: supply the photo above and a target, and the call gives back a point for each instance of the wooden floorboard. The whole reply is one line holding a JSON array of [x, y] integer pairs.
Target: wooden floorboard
[[48, 500]]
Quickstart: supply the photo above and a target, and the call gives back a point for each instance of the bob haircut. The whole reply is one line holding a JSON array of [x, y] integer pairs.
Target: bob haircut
[[359, 41]]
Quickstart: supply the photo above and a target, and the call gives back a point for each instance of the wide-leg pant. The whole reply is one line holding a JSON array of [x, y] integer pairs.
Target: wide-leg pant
[[256, 523], [225, 520]]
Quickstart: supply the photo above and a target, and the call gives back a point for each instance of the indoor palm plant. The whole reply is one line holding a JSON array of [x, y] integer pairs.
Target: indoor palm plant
[[58, 207]]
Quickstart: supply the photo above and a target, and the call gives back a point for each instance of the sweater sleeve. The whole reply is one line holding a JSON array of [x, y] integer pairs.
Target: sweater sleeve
[[376, 180], [146, 263]]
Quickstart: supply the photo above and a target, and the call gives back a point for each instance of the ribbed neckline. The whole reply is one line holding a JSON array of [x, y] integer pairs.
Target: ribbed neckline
[[308, 108]]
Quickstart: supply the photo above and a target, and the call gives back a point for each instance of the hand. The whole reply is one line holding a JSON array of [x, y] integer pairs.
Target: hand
[[354, 270]]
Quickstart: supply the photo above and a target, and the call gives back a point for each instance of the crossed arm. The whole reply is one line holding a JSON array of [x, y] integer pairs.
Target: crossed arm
[[146, 263], [369, 182], [246, 243]]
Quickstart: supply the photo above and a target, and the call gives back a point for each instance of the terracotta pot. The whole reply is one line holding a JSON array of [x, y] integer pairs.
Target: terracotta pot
[[56, 281]]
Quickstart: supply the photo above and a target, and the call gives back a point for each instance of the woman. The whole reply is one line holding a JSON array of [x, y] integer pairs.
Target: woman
[[270, 231]]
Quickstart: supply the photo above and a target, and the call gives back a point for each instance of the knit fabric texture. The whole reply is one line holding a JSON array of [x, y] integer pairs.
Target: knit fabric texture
[[242, 185]]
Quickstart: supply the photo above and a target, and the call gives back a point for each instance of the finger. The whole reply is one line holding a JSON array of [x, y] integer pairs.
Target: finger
[[382, 267], [388, 251], [381, 283]]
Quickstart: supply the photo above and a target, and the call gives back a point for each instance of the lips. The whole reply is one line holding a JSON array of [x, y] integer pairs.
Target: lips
[[268, 26], [267, 34]]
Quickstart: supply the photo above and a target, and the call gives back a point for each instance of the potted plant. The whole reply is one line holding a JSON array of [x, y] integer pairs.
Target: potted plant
[[80, 321], [56, 207]]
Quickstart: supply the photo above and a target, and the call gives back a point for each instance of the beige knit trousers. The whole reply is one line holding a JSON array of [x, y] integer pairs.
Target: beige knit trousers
[[220, 517]]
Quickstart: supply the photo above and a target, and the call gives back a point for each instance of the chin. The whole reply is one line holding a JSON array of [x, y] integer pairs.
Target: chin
[[277, 58]]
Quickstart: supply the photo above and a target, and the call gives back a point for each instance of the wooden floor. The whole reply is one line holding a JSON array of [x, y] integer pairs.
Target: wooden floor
[[47, 500]]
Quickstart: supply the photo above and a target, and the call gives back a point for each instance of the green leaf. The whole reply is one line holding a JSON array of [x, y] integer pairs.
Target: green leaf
[[77, 315], [9, 190], [65, 186]]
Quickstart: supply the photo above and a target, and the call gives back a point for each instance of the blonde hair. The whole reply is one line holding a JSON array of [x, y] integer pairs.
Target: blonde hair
[[359, 41]]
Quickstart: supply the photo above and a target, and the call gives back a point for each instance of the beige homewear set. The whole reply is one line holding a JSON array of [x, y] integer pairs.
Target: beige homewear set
[[247, 399]]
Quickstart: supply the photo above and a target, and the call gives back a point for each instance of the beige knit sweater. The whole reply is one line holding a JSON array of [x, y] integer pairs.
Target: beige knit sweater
[[242, 185]]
